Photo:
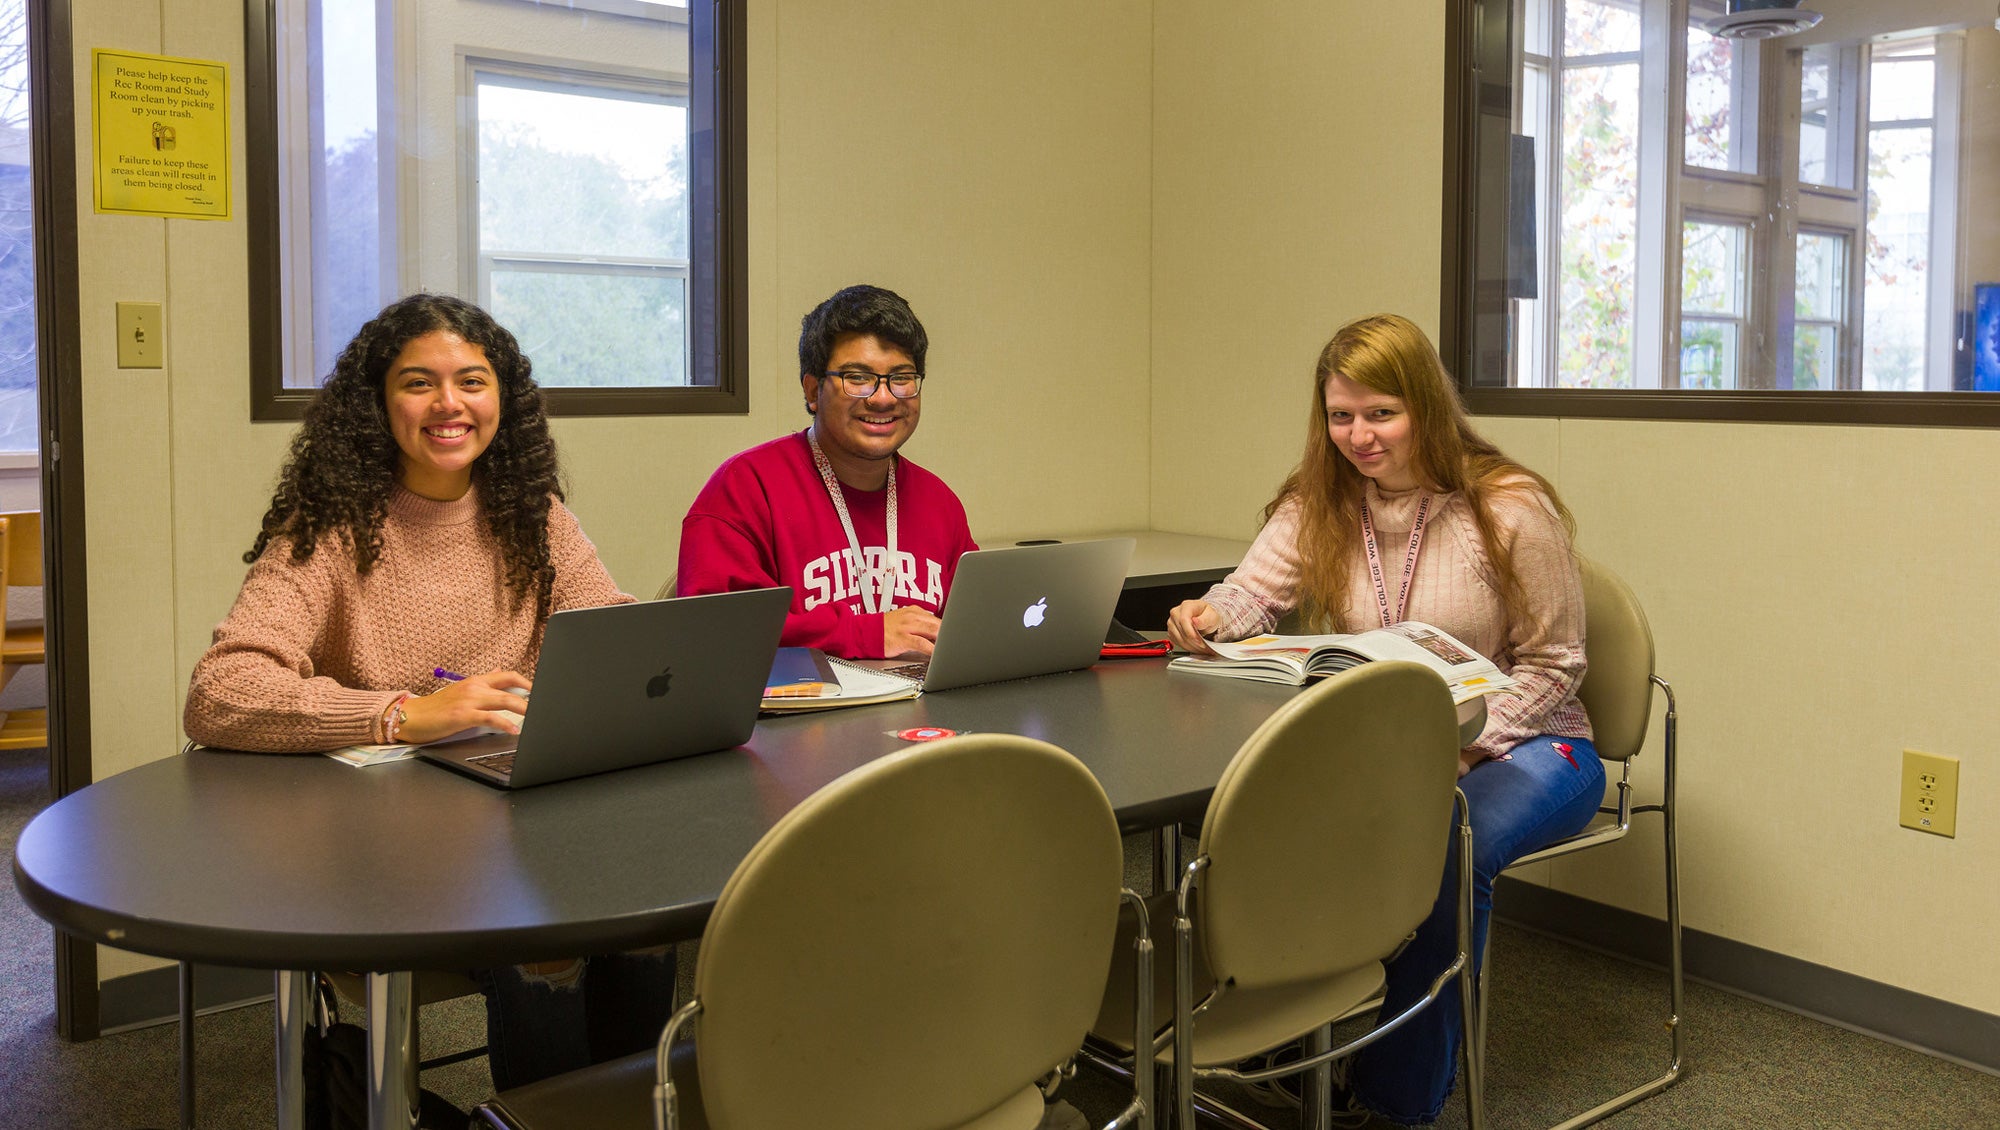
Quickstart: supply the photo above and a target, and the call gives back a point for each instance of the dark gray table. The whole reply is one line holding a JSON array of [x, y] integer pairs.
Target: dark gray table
[[301, 862]]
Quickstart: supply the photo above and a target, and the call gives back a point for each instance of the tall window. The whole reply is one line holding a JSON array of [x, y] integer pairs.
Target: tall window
[[568, 165], [1706, 213], [19, 413]]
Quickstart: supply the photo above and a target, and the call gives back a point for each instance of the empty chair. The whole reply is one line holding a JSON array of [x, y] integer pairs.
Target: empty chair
[[920, 944], [1617, 693], [1322, 849]]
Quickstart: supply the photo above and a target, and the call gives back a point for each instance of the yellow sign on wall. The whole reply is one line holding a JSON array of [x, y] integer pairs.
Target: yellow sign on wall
[[160, 135]]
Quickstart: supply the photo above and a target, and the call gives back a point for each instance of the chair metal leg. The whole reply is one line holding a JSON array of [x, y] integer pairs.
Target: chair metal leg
[[392, 1092], [1316, 1107], [1676, 982], [293, 998], [186, 980]]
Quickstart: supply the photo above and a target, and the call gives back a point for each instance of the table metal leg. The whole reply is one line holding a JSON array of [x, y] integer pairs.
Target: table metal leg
[[392, 1060], [291, 993], [1166, 858], [187, 1044]]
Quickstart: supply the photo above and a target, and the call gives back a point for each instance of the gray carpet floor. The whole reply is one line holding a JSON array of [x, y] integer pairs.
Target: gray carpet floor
[[1569, 1028]]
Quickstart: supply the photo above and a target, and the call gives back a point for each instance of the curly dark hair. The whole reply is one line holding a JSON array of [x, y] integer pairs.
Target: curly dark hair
[[337, 480]]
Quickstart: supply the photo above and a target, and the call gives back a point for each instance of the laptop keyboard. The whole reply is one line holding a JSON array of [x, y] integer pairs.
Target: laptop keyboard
[[911, 671], [499, 763]]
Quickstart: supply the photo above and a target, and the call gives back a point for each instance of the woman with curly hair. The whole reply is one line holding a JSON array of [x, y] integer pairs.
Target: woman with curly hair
[[418, 525], [1400, 510]]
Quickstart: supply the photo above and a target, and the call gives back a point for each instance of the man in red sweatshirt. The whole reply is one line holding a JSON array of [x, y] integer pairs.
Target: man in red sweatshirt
[[867, 540]]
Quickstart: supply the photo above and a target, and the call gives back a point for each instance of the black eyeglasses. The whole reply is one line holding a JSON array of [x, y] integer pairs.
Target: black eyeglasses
[[861, 384]]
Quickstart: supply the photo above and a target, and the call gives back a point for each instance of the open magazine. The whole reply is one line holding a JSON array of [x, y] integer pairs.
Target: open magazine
[[1294, 659]]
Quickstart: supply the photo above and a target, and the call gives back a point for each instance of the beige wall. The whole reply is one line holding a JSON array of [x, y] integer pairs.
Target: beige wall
[[1007, 200], [1132, 225], [1296, 185]]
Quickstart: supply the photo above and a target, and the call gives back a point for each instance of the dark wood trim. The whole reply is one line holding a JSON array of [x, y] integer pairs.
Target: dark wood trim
[[719, 319], [269, 398], [1455, 265], [58, 333], [1769, 406]]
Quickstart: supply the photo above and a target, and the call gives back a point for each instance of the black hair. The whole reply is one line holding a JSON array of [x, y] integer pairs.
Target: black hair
[[859, 310], [342, 467]]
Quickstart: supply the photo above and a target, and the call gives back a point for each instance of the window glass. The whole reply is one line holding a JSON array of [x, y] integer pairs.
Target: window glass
[[566, 163], [1816, 109], [1721, 103], [20, 426], [1600, 27], [583, 228], [1636, 266], [349, 281], [581, 170], [1897, 283], [1822, 276], [1598, 229], [1714, 258]]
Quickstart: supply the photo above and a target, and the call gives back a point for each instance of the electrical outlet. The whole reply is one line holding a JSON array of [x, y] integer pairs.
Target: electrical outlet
[[1930, 793]]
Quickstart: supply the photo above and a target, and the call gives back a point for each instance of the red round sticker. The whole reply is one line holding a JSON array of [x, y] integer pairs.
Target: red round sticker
[[926, 734]]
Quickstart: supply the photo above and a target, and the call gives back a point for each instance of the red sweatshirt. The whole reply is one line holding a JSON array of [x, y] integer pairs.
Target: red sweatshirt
[[765, 519]]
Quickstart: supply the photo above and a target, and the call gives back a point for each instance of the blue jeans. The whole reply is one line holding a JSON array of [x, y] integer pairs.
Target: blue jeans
[[1549, 789], [540, 1026]]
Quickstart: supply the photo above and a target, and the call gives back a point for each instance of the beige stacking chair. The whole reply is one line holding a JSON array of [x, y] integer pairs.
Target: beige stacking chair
[[1319, 855], [920, 944], [1617, 693]]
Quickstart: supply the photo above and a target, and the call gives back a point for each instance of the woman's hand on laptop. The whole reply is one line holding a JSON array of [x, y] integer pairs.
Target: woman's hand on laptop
[[908, 631], [497, 699], [1191, 623]]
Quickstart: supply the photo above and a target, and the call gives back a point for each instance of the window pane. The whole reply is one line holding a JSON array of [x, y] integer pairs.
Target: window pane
[[1599, 225], [1708, 354], [596, 330], [1817, 115], [1710, 80], [1712, 267], [1815, 356], [584, 171], [1901, 89], [1822, 277], [20, 426], [1600, 27], [347, 275], [1897, 281]]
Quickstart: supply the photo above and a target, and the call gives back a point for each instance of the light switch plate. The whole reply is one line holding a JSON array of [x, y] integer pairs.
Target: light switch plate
[[140, 342]]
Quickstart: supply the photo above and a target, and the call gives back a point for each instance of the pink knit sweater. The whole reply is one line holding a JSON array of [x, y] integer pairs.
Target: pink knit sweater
[[311, 654], [1456, 589]]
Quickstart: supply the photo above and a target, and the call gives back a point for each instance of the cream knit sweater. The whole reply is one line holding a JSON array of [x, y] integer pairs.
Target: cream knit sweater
[[1455, 589], [311, 654]]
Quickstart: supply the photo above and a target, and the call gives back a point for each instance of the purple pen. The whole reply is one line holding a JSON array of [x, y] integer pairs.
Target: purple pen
[[449, 676]]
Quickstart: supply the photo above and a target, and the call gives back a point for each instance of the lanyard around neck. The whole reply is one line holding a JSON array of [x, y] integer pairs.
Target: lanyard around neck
[[878, 584], [1409, 560]]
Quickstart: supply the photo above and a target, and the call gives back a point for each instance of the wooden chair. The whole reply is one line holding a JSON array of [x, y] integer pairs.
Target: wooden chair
[[21, 567]]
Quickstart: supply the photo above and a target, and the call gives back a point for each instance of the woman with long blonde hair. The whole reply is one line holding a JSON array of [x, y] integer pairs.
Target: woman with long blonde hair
[[1400, 510]]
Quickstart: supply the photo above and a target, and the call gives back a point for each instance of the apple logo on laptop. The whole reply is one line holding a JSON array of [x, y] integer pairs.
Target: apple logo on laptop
[[1032, 617], [656, 687]]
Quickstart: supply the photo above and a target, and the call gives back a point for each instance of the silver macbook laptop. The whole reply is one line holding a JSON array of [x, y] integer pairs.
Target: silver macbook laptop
[[1024, 610], [631, 684]]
